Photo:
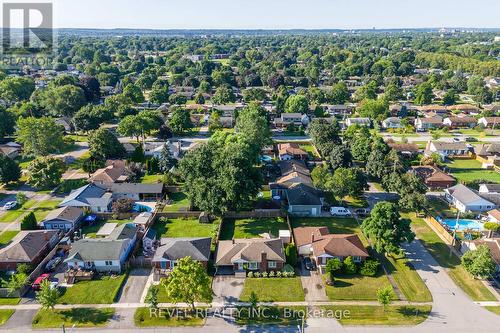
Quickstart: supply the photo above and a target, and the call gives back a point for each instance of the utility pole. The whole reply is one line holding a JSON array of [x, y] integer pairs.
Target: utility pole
[[454, 234]]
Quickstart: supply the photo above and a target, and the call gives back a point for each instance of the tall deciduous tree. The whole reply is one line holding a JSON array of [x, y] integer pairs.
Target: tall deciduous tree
[[387, 229], [479, 262], [39, 136], [104, 144], [296, 104], [188, 283], [47, 296], [180, 120], [45, 172], [9, 170], [252, 125]]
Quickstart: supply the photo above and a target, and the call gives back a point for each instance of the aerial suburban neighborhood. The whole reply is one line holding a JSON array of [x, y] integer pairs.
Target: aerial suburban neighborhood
[[253, 181]]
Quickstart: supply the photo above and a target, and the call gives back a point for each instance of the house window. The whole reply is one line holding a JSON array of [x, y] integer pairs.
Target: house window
[[271, 264], [240, 265], [253, 265], [108, 263], [356, 259]]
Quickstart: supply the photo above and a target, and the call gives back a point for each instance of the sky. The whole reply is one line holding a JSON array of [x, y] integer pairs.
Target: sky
[[275, 14]]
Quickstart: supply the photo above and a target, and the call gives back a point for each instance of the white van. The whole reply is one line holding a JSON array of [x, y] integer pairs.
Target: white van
[[339, 211]]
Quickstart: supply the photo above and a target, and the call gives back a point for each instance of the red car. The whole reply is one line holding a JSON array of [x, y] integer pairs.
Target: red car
[[39, 280]]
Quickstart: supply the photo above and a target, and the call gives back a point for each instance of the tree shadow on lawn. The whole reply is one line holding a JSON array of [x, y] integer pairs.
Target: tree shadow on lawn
[[227, 232], [86, 315]]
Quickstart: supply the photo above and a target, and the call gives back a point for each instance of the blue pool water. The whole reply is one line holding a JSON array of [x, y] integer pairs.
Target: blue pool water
[[141, 208], [463, 224]]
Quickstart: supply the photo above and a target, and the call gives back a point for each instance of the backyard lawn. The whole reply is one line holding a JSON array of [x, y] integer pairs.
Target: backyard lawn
[[356, 287], [183, 228], [180, 202], [377, 315], [101, 290], [143, 317], [313, 153], [151, 179], [79, 317], [251, 228], [441, 252], [335, 225], [44, 208], [7, 236], [469, 170], [274, 289], [5, 315], [90, 230]]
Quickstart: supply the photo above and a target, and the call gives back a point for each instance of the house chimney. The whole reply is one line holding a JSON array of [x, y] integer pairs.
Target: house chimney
[[263, 266], [312, 237]]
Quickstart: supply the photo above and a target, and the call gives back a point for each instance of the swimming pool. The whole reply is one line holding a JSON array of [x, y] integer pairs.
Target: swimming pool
[[463, 224], [141, 208]]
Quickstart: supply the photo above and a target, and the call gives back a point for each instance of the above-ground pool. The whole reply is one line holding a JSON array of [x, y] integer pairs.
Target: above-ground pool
[[463, 224], [141, 208], [266, 158]]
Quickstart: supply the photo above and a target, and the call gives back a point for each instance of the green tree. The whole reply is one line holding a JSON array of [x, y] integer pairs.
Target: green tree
[[64, 100], [385, 296], [340, 93], [29, 222], [9, 170], [152, 297], [166, 160], [253, 299], [47, 296], [349, 266], [104, 144], [223, 95], [180, 120], [423, 94], [291, 254], [7, 122], [188, 283], [339, 157], [386, 228], [133, 93], [479, 262], [87, 119], [39, 136], [333, 266], [214, 123], [45, 172], [16, 88], [450, 97], [324, 135], [374, 109], [348, 181], [16, 282], [252, 125], [296, 104]]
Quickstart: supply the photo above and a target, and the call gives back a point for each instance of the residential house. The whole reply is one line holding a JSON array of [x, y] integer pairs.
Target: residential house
[[432, 177], [446, 149], [227, 121], [154, 149], [289, 151], [106, 254], [255, 254], [408, 149], [296, 190], [27, 247], [435, 110], [341, 109], [66, 123], [136, 191], [392, 123], [426, 124], [91, 196], [486, 150], [489, 188], [321, 245], [172, 250], [358, 121], [467, 200], [64, 218], [114, 172], [464, 108], [460, 122], [298, 119], [489, 122], [10, 149], [493, 244]]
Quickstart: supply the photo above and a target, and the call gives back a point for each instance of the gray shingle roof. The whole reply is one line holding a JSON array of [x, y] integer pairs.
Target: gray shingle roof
[[177, 248], [26, 245]]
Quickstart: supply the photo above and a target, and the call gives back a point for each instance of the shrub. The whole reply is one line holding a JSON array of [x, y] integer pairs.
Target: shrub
[[333, 265], [264, 274], [349, 266], [256, 274], [271, 274], [493, 226], [291, 254], [250, 274], [369, 267], [29, 222], [279, 274]]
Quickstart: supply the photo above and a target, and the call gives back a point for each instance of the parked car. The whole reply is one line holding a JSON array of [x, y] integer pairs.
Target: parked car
[[39, 280], [309, 264], [340, 211], [362, 211], [10, 205], [54, 285], [52, 264]]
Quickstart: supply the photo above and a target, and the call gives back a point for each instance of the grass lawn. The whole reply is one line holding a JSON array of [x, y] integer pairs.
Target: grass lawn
[[70, 184], [5, 315], [336, 225], [44, 208], [494, 309], [355, 202], [407, 279], [151, 179], [441, 252], [274, 289], [97, 291], [14, 214], [252, 228], [356, 287], [7, 236], [164, 298], [9, 301], [180, 202], [144, 317], [80, 317], [270, 315], [376, 315], [313, 153], [183, 228], [469, 170], [91, 230], [441, 208]]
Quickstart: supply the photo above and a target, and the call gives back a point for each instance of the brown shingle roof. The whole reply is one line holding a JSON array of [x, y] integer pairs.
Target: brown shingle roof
[[291, 149], [249, 250]]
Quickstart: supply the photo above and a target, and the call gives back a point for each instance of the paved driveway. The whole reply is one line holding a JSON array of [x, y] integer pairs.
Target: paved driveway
[[227, 288], [312, 283], [134, 286]]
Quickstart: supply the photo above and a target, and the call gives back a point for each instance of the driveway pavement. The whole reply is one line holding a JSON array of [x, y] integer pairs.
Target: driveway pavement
[[134, 286], [313, 286], [227, 288]]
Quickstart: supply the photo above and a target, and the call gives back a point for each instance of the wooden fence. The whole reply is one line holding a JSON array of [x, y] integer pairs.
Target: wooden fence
[[438, 227]]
